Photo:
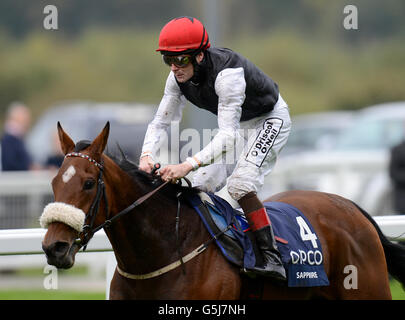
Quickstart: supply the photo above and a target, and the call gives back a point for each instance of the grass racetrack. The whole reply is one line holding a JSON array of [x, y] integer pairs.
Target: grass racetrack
[[41, 294], [397, 291], [20, 294]]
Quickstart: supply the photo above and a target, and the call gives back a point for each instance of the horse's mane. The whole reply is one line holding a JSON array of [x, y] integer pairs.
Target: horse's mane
[[147, 180], [150, 181]]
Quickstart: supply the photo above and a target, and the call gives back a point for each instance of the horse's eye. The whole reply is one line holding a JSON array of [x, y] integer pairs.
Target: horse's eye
[[88, 184]]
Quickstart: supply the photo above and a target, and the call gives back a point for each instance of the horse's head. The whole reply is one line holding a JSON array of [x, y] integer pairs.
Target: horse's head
[[77, 194]]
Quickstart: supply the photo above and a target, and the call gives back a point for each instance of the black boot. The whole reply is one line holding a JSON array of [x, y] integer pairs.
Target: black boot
[[260, 225], [272, 265]]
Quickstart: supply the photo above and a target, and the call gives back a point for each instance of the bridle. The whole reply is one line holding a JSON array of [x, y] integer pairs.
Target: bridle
[[88, 229]]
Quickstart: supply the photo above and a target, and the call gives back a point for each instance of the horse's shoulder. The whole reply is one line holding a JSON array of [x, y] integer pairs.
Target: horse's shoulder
[[296, 196]]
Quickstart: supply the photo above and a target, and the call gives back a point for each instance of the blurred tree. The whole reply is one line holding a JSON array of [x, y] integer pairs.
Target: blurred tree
[[21, 17], [376, 19], [104, 50]]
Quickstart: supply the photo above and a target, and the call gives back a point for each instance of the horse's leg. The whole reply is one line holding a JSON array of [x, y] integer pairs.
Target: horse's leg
[[207, 277], [272, 291], [120, 288], [354, 259], [357, 264], [362, 272], [211, 277]]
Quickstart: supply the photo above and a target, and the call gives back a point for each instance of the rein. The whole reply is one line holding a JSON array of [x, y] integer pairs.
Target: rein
[[136, 203], [89, 231]]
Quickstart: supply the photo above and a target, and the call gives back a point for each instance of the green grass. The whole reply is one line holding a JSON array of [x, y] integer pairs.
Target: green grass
[[397, 291], [21, 294], [35, 272], [38, 293]]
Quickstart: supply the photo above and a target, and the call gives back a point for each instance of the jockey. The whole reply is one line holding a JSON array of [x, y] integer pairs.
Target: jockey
[[250, 112]]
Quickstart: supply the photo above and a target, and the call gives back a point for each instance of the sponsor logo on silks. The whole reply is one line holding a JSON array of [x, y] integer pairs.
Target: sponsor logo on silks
[[264, 141]]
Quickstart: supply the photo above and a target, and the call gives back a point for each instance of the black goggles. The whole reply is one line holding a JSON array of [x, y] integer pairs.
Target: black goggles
[[178, 61]]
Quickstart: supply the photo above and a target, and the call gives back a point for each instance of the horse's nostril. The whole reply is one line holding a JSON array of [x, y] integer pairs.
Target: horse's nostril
[[57, 249], [61, 248]]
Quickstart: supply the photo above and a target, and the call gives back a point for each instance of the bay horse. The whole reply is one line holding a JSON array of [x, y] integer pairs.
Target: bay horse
[[93, 188]]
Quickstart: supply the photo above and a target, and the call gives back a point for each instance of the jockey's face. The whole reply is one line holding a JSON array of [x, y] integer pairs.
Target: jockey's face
[[184, 74]]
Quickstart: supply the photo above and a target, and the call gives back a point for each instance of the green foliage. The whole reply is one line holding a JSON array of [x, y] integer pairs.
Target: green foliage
[[322, 74], [100, 65], [122, 65]]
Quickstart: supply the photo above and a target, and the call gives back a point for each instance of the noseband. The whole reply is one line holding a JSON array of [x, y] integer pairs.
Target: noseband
[[88, 229]]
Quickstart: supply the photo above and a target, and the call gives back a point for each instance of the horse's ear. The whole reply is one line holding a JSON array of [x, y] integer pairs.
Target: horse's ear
[[99, 143], [66, 143]]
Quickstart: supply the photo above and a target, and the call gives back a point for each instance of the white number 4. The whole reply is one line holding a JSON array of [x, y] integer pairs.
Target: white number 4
[[306, 233]]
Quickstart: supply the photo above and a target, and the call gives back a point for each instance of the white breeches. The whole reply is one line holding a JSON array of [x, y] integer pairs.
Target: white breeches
[[252, 159]]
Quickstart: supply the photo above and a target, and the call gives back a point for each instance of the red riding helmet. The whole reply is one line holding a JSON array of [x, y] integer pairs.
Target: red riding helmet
[[183, 35]]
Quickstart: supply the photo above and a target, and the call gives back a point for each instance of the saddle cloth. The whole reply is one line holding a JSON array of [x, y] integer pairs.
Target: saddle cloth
[[300, 248]]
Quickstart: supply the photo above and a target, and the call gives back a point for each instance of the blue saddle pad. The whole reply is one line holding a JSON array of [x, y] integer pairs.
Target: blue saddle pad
[[297, 242]]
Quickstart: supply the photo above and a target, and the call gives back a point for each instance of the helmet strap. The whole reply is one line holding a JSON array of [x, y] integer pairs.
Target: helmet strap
[[199, 73]]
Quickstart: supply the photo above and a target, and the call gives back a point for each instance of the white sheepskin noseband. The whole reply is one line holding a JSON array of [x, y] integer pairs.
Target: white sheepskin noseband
[[62, 212]]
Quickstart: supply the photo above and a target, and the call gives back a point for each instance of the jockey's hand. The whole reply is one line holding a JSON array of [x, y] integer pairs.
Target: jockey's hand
[[173, 172], [146, 164]]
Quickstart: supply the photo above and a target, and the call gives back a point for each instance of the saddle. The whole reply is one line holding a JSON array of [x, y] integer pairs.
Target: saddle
[[300, 249]]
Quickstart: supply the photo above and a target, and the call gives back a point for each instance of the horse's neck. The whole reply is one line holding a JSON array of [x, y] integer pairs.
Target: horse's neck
[[144, 239]]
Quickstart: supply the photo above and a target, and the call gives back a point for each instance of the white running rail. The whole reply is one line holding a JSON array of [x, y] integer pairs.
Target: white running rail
[[28, 241]]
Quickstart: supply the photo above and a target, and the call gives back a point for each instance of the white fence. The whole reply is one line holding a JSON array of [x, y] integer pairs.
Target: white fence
[[34, 189], [359, 176], [25, 242], [363, 179], [23, 196], [28, 242]]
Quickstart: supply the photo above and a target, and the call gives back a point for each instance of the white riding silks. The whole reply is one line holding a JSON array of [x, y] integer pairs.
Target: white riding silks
[[65, 213], [230, 86], [255, 160], [170, 109], [252, 146]]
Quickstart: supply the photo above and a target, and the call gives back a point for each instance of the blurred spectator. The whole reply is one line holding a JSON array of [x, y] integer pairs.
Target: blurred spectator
[[397, 174], [15, 157], [54, 160], [14, 154]]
